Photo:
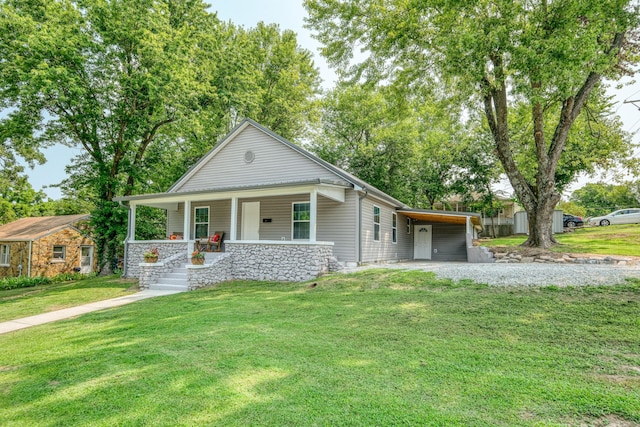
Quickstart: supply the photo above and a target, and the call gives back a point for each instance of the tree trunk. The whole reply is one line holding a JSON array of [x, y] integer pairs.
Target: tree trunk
[[106, 260], [109, 221], [540, 219], [539, 199]]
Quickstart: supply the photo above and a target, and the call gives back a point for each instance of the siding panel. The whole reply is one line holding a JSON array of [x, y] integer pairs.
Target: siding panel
[[175, 220], [385, 249], [405, 239], [338, 222], [274, 163], [278, 209], [219, 218]]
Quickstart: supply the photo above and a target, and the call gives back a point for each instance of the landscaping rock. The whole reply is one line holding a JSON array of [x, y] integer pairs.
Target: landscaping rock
[[539, 256]]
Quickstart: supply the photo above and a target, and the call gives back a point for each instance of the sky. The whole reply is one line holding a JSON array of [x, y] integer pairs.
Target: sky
[[289, 14]]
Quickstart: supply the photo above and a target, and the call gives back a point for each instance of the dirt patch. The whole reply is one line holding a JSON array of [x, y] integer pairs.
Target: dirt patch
[[626, 380], [525, 252], [609, 421]]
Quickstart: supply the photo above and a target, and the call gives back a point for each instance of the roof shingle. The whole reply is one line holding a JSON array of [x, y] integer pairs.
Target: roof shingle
[[32, 228]]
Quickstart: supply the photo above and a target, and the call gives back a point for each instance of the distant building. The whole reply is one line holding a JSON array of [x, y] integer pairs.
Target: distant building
[[502, 224], [46, 246]]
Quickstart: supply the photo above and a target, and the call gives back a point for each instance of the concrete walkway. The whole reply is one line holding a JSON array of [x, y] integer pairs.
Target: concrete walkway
[[52, 316]]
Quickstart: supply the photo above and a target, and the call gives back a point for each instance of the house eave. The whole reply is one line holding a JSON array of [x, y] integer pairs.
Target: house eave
[[239, 190]]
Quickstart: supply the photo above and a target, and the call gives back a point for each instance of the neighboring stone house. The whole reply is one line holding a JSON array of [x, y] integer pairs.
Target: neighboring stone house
[[286, 214], [46, 246]]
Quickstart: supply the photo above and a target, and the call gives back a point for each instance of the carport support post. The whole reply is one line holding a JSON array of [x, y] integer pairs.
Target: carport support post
[[469, 232]]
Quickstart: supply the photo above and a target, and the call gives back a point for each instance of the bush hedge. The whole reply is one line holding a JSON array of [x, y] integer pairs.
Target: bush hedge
[[29, 282]]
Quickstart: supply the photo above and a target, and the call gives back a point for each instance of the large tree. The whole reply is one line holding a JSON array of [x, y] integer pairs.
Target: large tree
[[366, 132], [544, 57], [105, 75], [259, 73], [144, 87], [407, 146]]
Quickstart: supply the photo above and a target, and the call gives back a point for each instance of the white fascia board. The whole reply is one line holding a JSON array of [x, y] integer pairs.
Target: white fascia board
[[171, 198]]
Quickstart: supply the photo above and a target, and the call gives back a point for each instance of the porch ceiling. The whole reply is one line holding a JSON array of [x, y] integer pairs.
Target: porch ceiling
[[443, 217]]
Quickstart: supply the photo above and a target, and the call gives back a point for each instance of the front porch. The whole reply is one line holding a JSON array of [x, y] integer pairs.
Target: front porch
[[270, 233], [260, 260]]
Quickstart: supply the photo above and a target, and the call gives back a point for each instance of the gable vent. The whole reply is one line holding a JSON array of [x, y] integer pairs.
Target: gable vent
[[249, 156]]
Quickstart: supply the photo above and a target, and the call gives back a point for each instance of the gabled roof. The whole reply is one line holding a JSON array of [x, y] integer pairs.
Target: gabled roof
[[357, 183], [33, 228]]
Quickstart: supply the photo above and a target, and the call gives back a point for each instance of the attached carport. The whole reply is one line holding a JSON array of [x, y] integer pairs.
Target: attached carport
[[443, 235]]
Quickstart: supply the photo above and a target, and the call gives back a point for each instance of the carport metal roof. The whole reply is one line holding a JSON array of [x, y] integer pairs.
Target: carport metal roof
[[443, 216]]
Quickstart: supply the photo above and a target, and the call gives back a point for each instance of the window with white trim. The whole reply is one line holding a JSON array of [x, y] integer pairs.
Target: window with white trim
[[201, 222], [408, 225], [300, 220], [59, 253], [376, 223], [5, 257], [394, 227]]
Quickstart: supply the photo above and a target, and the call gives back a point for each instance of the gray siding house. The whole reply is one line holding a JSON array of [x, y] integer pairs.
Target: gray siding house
[[285, 214]]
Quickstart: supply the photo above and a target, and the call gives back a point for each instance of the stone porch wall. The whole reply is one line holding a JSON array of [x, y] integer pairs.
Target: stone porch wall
[[210, 274], [285, 262], [167, 248], [277, 261]]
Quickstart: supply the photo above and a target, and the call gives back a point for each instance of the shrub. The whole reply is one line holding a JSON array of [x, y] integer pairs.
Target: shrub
[[23, 282], [29, 282]]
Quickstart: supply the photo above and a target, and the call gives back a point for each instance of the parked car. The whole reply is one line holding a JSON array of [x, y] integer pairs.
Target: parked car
[[622, 216], [571, 221]]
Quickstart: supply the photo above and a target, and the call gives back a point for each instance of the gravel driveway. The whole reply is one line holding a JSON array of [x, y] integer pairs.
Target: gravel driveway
[[522, 274]]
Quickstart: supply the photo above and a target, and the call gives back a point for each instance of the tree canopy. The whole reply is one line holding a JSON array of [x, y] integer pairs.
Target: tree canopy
[[530, 67]]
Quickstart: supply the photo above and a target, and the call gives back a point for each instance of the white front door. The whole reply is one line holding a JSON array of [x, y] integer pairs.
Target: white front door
[[422, 241], [251, 221], [86, 259]]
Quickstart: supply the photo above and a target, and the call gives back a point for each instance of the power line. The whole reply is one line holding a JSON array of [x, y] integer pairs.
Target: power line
[[633, 102]]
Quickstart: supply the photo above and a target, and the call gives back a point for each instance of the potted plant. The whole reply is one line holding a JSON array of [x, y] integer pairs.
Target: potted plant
[[197, 257], [151, 255]]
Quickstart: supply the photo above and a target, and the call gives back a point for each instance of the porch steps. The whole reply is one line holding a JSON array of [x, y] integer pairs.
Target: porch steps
[[177, 279], [174, 281]]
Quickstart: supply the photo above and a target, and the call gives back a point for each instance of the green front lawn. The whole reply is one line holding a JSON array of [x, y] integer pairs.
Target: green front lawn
[[381, 347], [610, 240], [23, 302]]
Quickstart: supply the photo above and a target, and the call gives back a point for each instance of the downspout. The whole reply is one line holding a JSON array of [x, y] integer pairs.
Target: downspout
[[362, 197], [126, 240], [29, 263], [20, 266]]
